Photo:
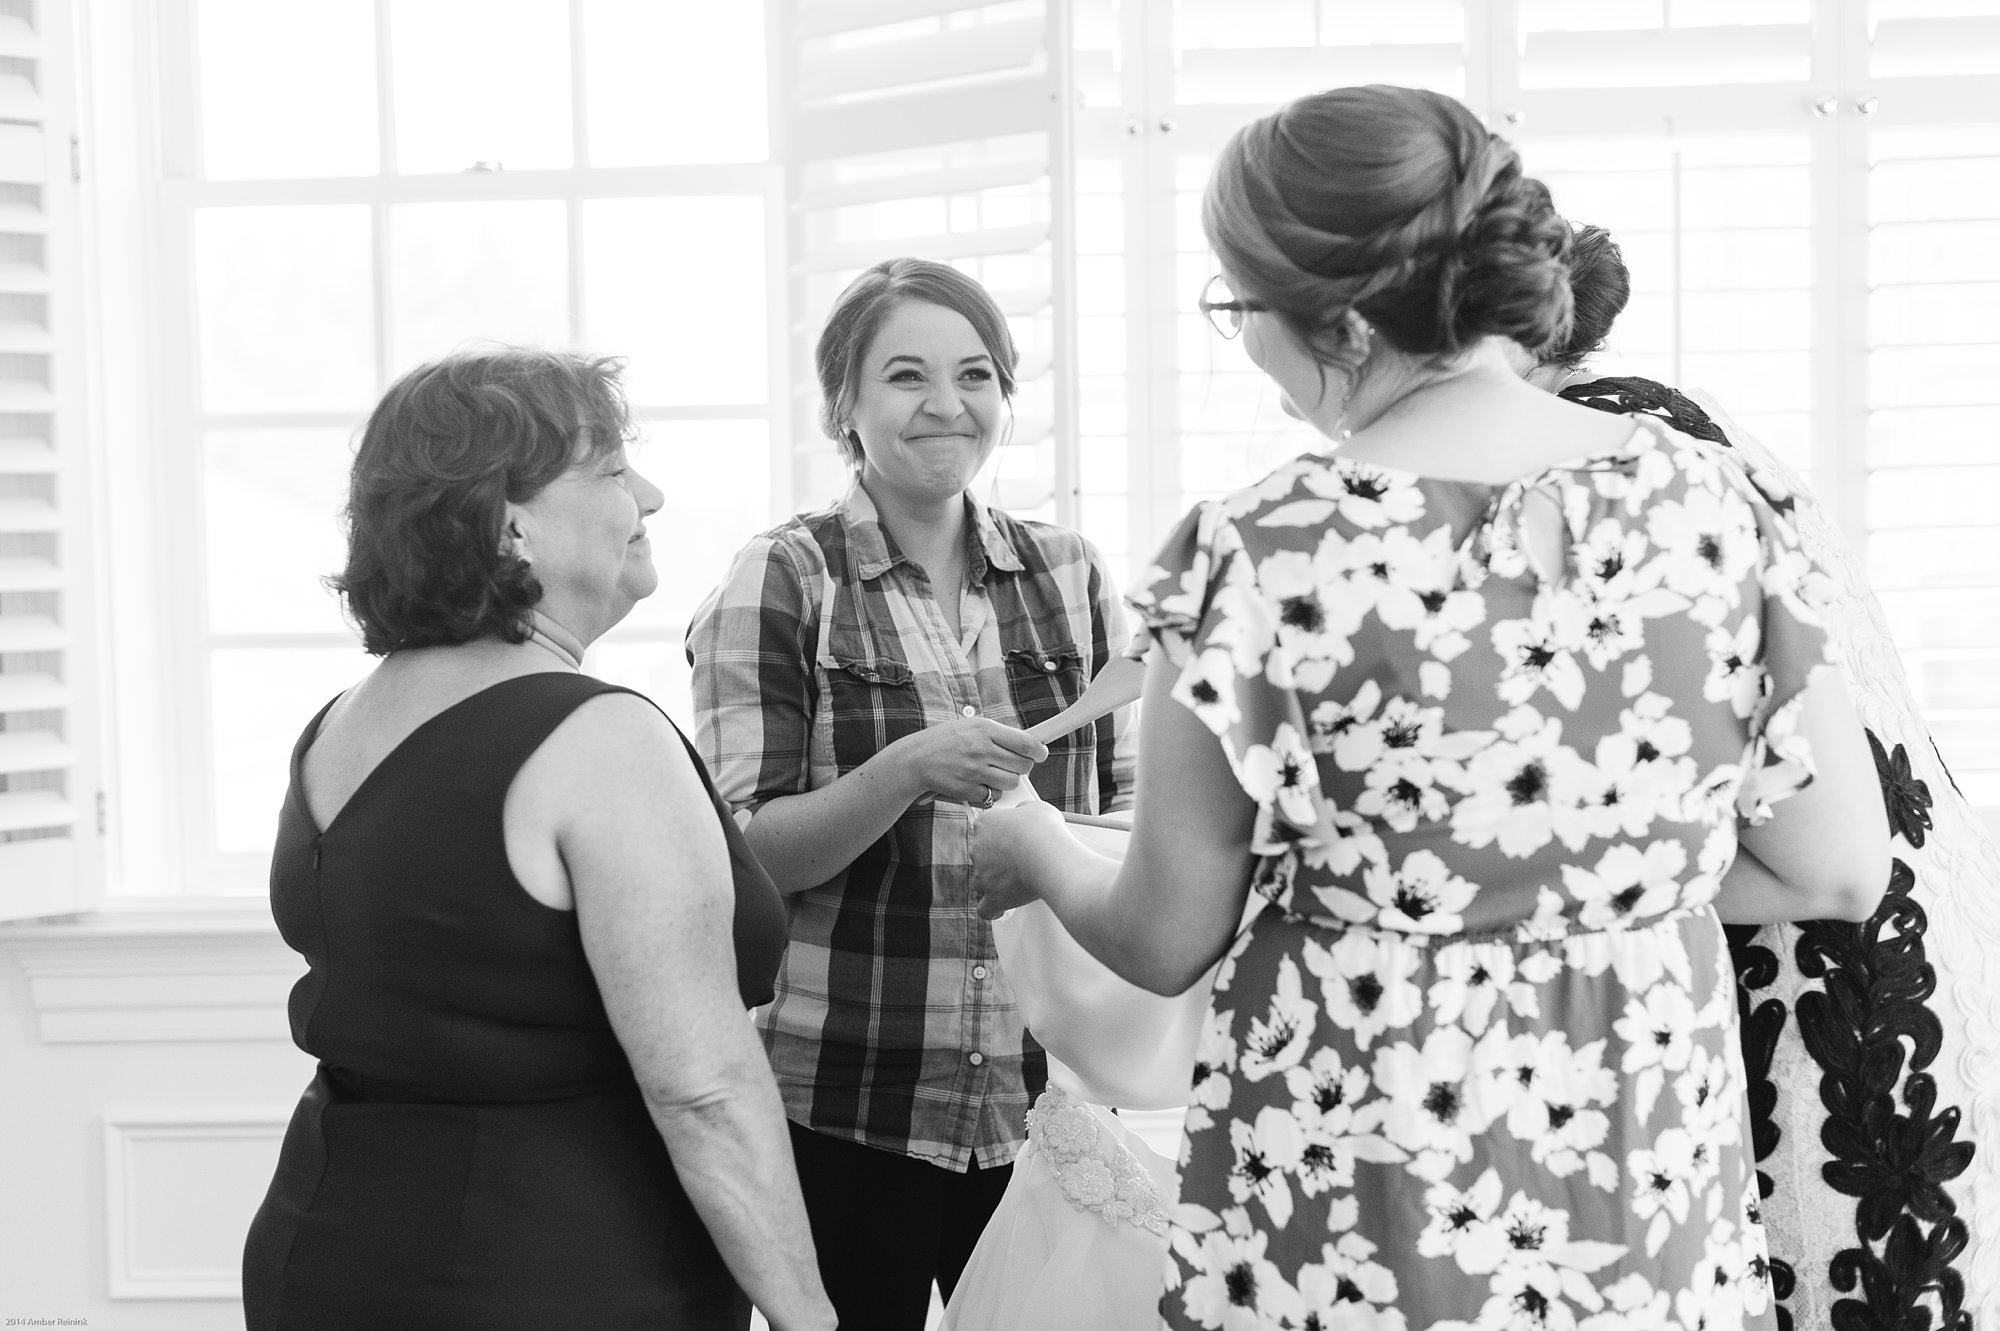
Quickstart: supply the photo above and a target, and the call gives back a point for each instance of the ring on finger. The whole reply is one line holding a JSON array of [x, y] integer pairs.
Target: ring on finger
[[992, 797]]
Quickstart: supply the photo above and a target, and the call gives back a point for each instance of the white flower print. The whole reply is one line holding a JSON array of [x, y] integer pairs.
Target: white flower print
[[1207, 687], [1525, 788], [1324, 1096], [1266, 1153], [1367, 496], [1708, 544], [1635, 1306], [1620, 591], [1403, 791], [1461, 1221], [1553, 1110], [1240, 619], [1352, 844], [1530, 1240], [1639, 957], [1345, 1290], [1629, 885], [1177, 598], [1234, 1287], [1662, 1180], [1637, 677], [1278, 1040], [1643, 770], [1282, 775], [1472, 979], [1316, 613], [1214, 1059], [1365, 982], [1377, 565], [1325, 1092], [1735, 675], [1708, 1098], [1727, 1283], [1434, 1103], [1429, 603], [1658, 1031], [1539, 651], [1422, 896], [1342, 729], [1791, 578], [1279, 483], [1581, 1048], [1406, 753]]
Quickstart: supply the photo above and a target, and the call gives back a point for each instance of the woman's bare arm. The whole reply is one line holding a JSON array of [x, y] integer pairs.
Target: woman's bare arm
[[803, 840], [650, 873], [1164, 916], [1824, 853]]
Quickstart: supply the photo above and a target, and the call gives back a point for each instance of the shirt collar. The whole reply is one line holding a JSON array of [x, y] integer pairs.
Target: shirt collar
[[873, 552]]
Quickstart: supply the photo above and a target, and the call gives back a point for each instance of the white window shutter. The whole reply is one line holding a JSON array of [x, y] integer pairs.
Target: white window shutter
[[937, 129], [1922, 106], [48, 786]]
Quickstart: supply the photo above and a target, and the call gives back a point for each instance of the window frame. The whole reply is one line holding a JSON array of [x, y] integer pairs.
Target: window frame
[[167, 855]]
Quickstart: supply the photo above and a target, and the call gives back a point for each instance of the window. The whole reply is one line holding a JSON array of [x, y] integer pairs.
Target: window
[[590, 174], [48, 774], [1807, 191], [929, 129]]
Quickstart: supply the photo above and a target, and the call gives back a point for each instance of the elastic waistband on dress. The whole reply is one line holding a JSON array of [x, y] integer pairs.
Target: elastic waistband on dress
[[1519, 933]]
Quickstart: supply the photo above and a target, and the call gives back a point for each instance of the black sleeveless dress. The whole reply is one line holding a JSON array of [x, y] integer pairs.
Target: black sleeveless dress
[[474, 1151]]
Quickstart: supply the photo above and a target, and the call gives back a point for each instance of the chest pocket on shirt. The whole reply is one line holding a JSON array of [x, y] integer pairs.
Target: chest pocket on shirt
[[1042, 681], [873, 702]]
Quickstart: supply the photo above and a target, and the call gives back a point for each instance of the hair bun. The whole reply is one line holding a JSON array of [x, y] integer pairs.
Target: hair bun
[[1506, 277]]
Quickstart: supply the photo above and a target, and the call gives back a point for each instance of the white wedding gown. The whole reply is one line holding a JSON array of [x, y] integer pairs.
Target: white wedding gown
[[1079, 1242]]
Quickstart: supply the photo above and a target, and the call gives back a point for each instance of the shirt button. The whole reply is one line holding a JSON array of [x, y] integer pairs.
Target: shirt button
[[968, 710], [978, 972], [976, 1058]]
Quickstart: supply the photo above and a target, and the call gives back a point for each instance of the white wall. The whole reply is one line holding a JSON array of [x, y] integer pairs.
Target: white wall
[[145, 1078]]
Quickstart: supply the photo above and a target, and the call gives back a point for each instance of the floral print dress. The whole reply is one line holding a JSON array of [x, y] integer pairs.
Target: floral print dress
[[1479, 1067]]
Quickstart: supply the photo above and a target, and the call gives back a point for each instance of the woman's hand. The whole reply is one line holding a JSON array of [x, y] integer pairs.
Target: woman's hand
[[1009, 850], [969, 759]]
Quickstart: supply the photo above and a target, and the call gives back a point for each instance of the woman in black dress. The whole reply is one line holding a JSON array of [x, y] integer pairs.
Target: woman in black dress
[[1872, 1048], [538, 1102]]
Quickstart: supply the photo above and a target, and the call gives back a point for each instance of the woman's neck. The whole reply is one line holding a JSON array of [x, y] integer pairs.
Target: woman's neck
[[932, 532], [1396, 385]]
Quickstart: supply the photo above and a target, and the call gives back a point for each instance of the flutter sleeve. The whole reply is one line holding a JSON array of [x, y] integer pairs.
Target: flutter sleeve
[[1202, 603], [1793, 646]]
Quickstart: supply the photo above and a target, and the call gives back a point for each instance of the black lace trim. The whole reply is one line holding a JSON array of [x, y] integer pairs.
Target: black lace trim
[[1893, 1162], [1625, 395], [1760, 1026]]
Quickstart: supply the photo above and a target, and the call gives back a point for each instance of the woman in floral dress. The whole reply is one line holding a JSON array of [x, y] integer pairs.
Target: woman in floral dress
[[1498, 705], [1865, 1151]]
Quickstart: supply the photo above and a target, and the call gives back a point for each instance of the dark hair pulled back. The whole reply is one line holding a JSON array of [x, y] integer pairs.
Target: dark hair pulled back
[[1396, 203], [1599, 285]]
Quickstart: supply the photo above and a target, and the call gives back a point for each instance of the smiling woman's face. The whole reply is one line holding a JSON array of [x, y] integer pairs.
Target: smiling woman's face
[[928, 408]]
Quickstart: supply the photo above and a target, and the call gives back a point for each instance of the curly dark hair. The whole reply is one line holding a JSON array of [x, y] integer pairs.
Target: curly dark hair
[[445, 451], [1600, 285], [1396, 203]]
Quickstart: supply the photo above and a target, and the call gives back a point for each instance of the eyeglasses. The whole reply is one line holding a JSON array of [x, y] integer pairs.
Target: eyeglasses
[[1224, 311]]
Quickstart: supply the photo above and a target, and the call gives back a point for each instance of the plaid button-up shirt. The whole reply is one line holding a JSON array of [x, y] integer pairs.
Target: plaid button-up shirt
[[893, 1024]]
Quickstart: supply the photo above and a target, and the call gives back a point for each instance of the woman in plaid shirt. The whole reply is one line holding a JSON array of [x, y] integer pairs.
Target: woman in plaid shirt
[[862, 680]]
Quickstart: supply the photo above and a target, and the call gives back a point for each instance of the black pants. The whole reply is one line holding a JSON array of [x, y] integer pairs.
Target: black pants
[[887, 1225]]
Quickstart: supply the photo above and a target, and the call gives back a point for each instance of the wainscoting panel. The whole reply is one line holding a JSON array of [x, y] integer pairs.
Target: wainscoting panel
[[180, 1190]]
